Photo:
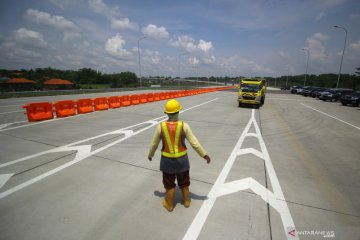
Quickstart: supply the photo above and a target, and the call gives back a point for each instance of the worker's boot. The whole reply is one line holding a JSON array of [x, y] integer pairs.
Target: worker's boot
[[168, 201], [186, 196]]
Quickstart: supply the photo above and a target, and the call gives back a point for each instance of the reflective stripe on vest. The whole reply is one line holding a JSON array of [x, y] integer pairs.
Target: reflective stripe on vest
[[174, 150]]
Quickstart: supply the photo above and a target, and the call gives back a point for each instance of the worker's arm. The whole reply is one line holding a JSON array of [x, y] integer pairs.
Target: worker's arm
[[195, 143], [155, 142]]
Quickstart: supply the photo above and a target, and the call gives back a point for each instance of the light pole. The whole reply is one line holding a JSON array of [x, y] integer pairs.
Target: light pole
[[180, 55], [307, 62], [287, 76], [139, 58], [342, 57]]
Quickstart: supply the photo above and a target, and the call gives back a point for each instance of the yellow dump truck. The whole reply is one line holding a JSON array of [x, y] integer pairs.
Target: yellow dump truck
[[252, 91]]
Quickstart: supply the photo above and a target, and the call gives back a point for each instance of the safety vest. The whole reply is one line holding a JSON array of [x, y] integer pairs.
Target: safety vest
[[172, 136]]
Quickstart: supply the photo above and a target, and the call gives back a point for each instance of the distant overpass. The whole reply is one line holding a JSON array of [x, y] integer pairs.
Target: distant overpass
[[185, 80]]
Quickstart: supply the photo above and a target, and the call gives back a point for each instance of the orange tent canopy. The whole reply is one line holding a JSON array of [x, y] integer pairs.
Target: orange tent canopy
[[56, 81], [20, 80]]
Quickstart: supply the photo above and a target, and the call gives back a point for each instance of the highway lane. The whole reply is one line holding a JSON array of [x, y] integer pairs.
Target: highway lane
[[116, 192]]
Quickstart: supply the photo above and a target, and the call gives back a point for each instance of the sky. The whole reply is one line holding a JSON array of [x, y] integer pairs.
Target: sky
[[182, 38]]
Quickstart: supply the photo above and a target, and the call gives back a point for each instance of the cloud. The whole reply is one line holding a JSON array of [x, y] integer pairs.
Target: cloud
[[115, 47], [189, 45], [320, 16], [184, 42], [155, 32], [98, 6], [69, 36], [239, 64], [152, 57], [123, 24], [209, 60], [194, 61], [30, 38], [355, 46], [205, 46], [57, 22], [316, 47]]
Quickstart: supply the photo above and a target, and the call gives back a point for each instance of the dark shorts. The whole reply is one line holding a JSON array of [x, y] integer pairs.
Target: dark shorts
[[174, 165], [183, 179]]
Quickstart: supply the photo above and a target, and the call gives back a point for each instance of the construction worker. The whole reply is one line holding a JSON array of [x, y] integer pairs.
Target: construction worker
[[174, 162]]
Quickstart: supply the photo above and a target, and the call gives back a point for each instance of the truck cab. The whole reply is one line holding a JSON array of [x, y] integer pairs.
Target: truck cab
[[252, 92]]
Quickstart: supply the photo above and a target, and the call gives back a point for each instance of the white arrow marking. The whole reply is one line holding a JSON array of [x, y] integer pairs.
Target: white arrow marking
[[4, 178], [83, 151], [275, 199]]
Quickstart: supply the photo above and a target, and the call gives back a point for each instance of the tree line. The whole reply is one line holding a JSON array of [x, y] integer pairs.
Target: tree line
[[78, 77], [323, 80], [90, 76]]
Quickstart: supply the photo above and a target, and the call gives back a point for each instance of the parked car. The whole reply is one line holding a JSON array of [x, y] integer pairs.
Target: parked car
[[302, 89], [294, 89], [306, 92], [320, 94], [353, 98], [336, 94], [315, 91]]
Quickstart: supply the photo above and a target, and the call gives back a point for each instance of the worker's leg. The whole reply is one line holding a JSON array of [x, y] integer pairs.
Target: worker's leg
[[169, 185], [183, 179]]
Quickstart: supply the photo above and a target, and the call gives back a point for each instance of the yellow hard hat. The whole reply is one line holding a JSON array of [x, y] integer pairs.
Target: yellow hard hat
[[172, 106]]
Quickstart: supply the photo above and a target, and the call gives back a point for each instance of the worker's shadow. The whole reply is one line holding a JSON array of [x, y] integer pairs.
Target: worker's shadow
[[178, 196]]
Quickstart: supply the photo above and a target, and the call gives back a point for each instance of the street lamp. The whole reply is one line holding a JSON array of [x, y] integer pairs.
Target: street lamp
[[139, 58], [180, 55], [342, 57], [307, 62]]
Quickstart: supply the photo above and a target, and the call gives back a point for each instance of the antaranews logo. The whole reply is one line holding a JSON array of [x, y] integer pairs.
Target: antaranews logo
[[291, 233]]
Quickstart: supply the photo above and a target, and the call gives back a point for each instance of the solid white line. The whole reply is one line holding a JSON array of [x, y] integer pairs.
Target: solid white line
[[200, 218], [12, 112], [11, 106], [275, 199], [289, 99], [326, 114], [84, 151], [4, 125]]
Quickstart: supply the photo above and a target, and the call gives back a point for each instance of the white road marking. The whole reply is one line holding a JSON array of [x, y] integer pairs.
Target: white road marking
[[11, 106], [84, 151], [326, 114], [4, 178], [275, 199], [12, 112], [290, 99]]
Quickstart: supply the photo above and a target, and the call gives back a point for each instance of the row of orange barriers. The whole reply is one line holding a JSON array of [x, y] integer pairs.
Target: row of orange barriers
[[45, 110]]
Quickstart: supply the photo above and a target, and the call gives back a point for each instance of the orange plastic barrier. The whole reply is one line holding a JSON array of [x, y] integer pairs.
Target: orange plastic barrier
[[84, 105], [65, 108], [143, 98], [125, 100], [162, 96], [101, 103], [150, 97], [156, 96], [39, 111], [114, 102], [134, 99], [167, 95]]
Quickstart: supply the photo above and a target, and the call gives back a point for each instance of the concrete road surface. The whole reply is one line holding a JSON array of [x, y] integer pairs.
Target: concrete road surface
[[289, 170]]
